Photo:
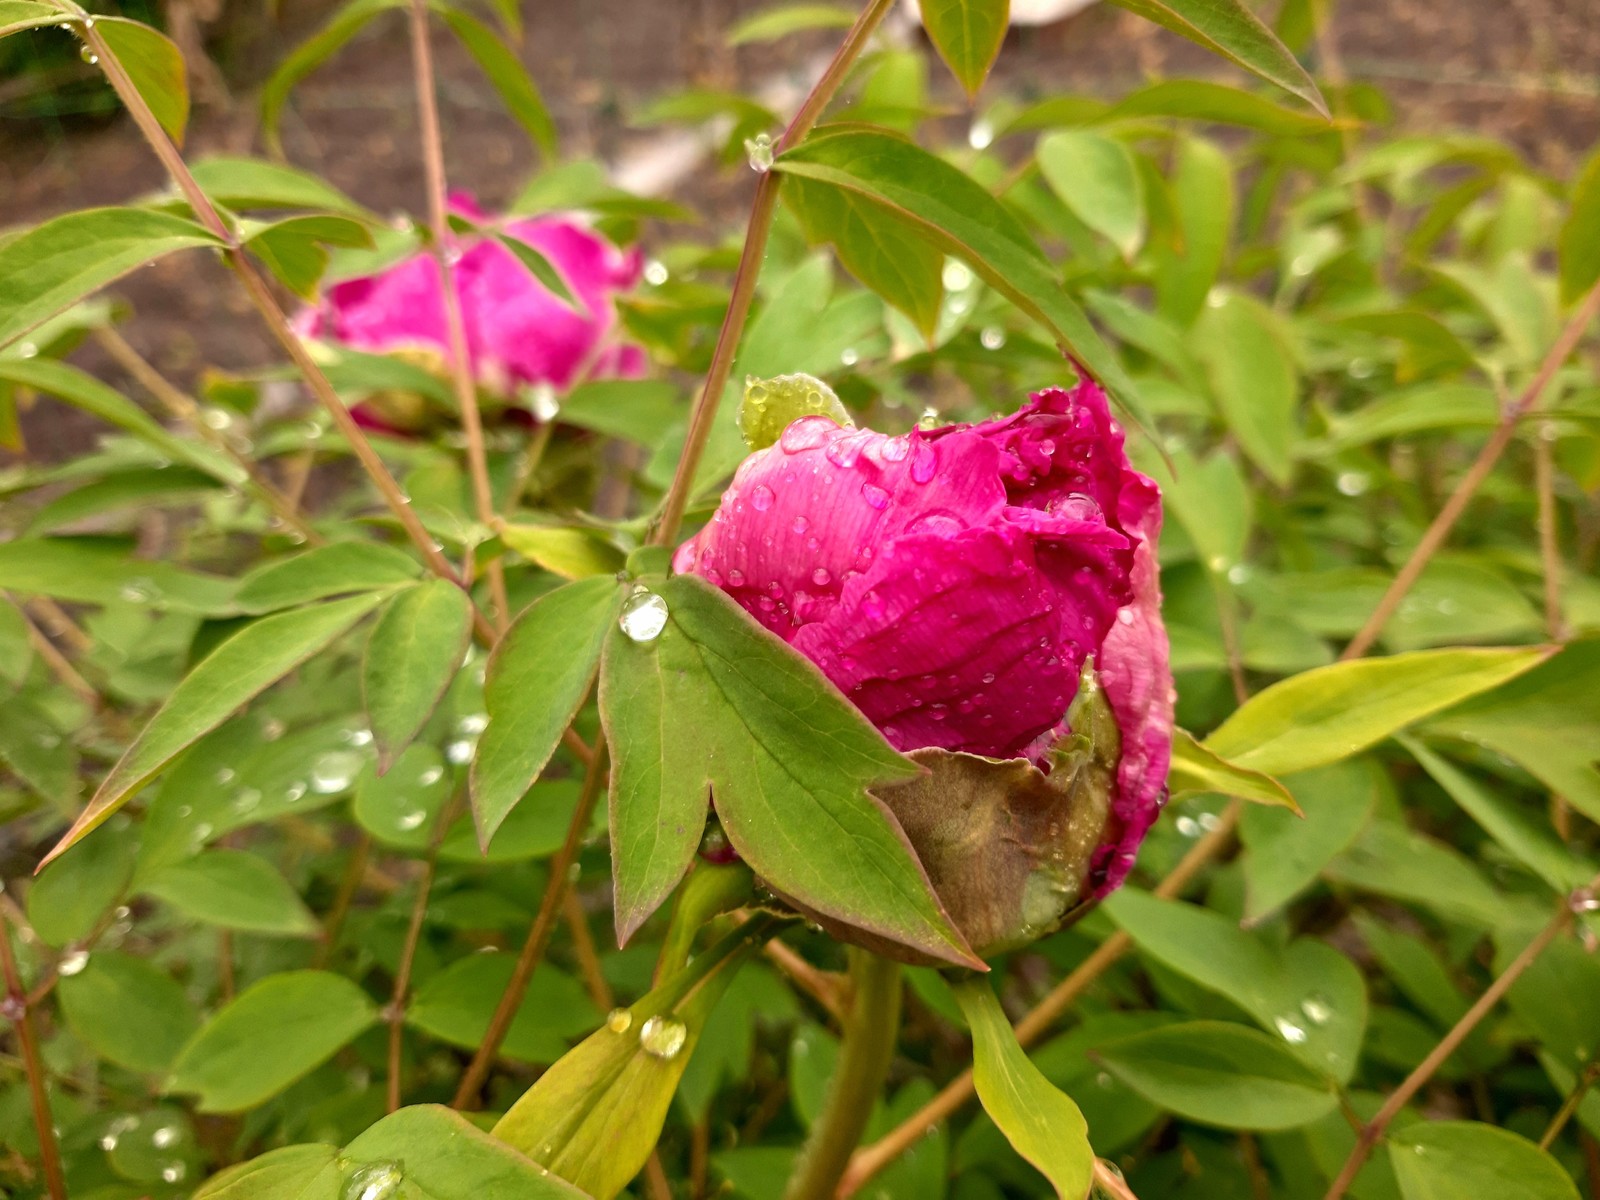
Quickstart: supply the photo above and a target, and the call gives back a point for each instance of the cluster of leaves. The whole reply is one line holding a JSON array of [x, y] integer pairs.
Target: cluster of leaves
[[313, 820]]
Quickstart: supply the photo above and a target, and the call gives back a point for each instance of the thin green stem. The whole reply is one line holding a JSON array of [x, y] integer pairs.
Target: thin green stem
[[762, 208], [870, 1030]]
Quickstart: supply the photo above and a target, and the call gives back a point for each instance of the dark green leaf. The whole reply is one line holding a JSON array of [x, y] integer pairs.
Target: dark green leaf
[[539, 676], [94, 571], [271, 1035], [456, 1005], [400, 807], [154, 65], [53, 266], [72, 894], [967, 34], [542, 269], [1041, 1122], [245, 665], [311, 54], [701, 699], [413, 652], [1287, 852], [326, 571], [127, 1011], [1390, 860], [235, 890]]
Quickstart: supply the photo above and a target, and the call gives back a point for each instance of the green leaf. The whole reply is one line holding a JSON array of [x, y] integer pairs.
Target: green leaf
[[292, 248], [570, 551], [542, 269], [32, 746], [52, 266], [1330, 713], [289, 1173], [154, 65], [1524, 837], [311, 54], [1228, 28], [1040, 1121], [128, 1012], [1468, 1160], [903, 268], [83, 391], [960, 217], [242, 667], [1096, 177], [95, 571], [444, 1156], [16, 645], [507, 75], [636, 410], [413, 652], [1189, 259], [1219, 1074], [70, 896], [713, 702], [1287, 852], [333, 570], [1202, 100], [243, 183], [275, 1031], [1390, 860], [457, 1003], [124, 493], [235, 890], [1252, 377], [1197, 770], [594, 1116], [967, 34], [18, 15], [769, 406], [539, 676], [1307, 993], [1580, 235], [774, 23], [401, 807]]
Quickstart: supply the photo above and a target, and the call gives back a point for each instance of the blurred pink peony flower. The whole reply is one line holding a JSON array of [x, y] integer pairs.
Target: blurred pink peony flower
[[953, 582], [519, 334]]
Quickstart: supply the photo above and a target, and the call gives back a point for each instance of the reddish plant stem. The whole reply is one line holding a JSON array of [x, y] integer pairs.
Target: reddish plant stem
[[1374, 1129], [826, 988], [583, 948], [1479, 471], [21, 1016], [354, 871], [538, 936], [762, 208], [460, 359], [395, 1013]]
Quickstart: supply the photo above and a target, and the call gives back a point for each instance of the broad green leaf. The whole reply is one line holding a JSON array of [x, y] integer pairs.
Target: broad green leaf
[[413, 652], [1390, 860], [292, 248], [127, 493], [16, 645], [245, 183], [1416, 969], [84, 391], [570, 551], [72, 894], [1219, 1074], [1231, 29], [1468, 1160], [900, 266], [542, 269], [959, 216], [1041, 1122], [1202, 100], [1190, 256], [96, 571], [1212, 501], [539, 676], [1306, 993], [343, 25], [18, 15], [636, 410], [594, 1117], [1580, 235], [771, 24], [967, 34], [235, 890], [52, 266], [289, 1173], [1252, 378], [456, 1004], [332, 570], [1435, 406], [1526, 838], [274, 1032], [1548, 722], [1197, 770], [154, 65], [32, 745], [401, 807], [702, 699], [242, 667], [1287, 852], [443, 1156], [1330, 713], [1096, 177], [507, 75], [128, 1012]]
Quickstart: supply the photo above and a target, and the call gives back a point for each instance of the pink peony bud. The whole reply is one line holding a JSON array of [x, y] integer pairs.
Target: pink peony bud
[[953, 583], [519, 333]]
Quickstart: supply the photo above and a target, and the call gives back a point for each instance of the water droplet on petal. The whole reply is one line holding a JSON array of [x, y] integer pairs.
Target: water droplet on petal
[[821, 577], [644, 616], [896, 449], [761, 497], [924, 463], [875, 496], [800, 525], [662, 1037]]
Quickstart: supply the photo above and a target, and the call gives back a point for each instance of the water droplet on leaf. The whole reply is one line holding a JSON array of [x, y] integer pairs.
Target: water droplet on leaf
[[662, 1037], [644, 616]]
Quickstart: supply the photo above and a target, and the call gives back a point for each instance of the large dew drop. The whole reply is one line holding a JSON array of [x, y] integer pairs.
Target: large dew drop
[[644, 615], [662, 1037], [373, 1181]]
